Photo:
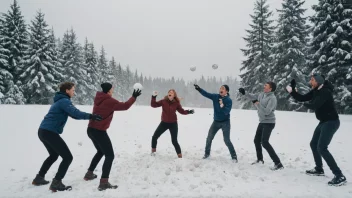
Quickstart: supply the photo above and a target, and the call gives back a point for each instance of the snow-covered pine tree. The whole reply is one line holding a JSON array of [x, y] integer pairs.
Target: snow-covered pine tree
[[288, 57], [15, 38], [255, 69], [331, 48], [41, 71], [112, 66], [119, 82], [54, 48], [103, 66], [73, 63], [91, 64]]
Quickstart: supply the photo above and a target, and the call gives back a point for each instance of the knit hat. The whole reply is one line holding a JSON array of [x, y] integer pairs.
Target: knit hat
[[227, 88], [319, 78], [272, 86], [106, 87]]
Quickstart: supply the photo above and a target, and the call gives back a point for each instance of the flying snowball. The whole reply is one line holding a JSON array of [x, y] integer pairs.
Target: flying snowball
[[193, 68], [215, 66], [138, 86]]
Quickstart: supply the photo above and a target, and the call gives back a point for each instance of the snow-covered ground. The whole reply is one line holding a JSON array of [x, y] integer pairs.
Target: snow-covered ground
[[140, 175]]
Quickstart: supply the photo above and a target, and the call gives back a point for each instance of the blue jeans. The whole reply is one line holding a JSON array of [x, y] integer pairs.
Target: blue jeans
[[319, 144], [215, 127]]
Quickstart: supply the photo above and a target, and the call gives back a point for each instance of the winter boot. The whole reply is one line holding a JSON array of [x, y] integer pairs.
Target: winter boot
[[338, 180], [277, 166], [315, 172], [206, 156], [90, 176], [153, 152], [179, 155], [258, 162], [234, 158], [39, 181], [57, 185], [104, 184]]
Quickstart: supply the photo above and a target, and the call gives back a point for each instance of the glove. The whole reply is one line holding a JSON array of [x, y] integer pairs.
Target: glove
[[95, 117], [155, 94], [136, 93], [293, 84], [197, 87], [254, 101], [190, 111], [242, 91]]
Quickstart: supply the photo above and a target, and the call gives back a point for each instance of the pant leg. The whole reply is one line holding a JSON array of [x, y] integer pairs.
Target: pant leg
[[258, 140], [328, 130], [314, 147], [226, 128], [59, 146], [52, 155], [174, 132], [97, 157], [106, 148], [267, 129], [214, 128], [158, 132]]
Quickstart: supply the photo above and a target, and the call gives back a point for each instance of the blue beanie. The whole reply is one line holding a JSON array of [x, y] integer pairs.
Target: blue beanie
[[320, 79]]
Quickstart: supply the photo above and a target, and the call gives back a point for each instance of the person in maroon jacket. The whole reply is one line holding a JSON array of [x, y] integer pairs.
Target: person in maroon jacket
[[170, 104], [106, 106]]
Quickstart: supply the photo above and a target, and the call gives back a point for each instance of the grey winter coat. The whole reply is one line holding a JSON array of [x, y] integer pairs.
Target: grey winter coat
[[266, 107]]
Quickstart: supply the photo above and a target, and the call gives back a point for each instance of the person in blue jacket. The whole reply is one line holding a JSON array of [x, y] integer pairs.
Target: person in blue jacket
[[222, 107], [49, 134]]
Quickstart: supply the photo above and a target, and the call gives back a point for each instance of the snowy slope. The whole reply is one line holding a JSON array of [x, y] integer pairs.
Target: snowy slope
[[140, 175]]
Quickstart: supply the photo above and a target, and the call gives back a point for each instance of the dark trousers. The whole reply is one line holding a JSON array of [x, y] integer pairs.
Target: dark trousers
[[215, 127], [163, 126], [56, 146], [103, 145], [262, 139], [321, 139]]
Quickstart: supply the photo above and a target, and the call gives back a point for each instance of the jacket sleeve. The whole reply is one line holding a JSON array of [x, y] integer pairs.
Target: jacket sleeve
[[269, 108], [156, 104], [207, 95], [72, 111], [123, 106], [250, 96], [302, 98], [227, 107], [318, 101], [181, 110]]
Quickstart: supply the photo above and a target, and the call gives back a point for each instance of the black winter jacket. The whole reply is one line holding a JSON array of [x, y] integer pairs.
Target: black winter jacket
[[321, 101]]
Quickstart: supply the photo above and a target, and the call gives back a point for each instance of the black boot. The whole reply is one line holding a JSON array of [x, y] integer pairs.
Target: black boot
[[258, 162], [39, 181], [90, 176], [104, 184], [338, 180], [234, 158], [315, 172], [57, 185], [206, 156], [277, 166]]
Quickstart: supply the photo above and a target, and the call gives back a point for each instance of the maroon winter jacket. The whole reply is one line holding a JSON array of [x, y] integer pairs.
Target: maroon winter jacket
[[105, 106], [169, 109]]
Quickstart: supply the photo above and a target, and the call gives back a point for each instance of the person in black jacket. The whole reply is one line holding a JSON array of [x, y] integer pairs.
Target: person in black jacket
[[322, 102]]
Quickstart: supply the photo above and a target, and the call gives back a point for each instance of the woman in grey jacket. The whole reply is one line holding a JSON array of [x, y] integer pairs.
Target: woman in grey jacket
[[265, 103]]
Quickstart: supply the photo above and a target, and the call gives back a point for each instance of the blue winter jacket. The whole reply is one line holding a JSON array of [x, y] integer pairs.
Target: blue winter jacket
[[57, 116], [220, 114]]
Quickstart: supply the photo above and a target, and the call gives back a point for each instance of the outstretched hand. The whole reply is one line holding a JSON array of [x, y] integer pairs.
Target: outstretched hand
[[190, 111], [196, 87], [155, 94], [136, 93]]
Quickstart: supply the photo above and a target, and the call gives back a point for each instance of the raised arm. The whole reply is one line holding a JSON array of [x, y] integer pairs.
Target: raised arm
[[302, 98], [67, 106], [123, 106], [154, 103], [207, 95], [318, 100]]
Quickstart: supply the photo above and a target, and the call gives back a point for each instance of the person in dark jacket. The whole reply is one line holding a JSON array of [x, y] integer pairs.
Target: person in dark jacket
[[322, 102], [105, 105], [49, 134], [266, 103], [170, 104], [222, 104]]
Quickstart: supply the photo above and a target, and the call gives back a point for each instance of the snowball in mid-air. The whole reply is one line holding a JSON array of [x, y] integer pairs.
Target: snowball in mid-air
[[215, 66], [192, 68], [138, 86]]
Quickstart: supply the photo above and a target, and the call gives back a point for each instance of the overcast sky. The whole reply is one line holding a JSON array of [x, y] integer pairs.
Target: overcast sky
[[161, 38]]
